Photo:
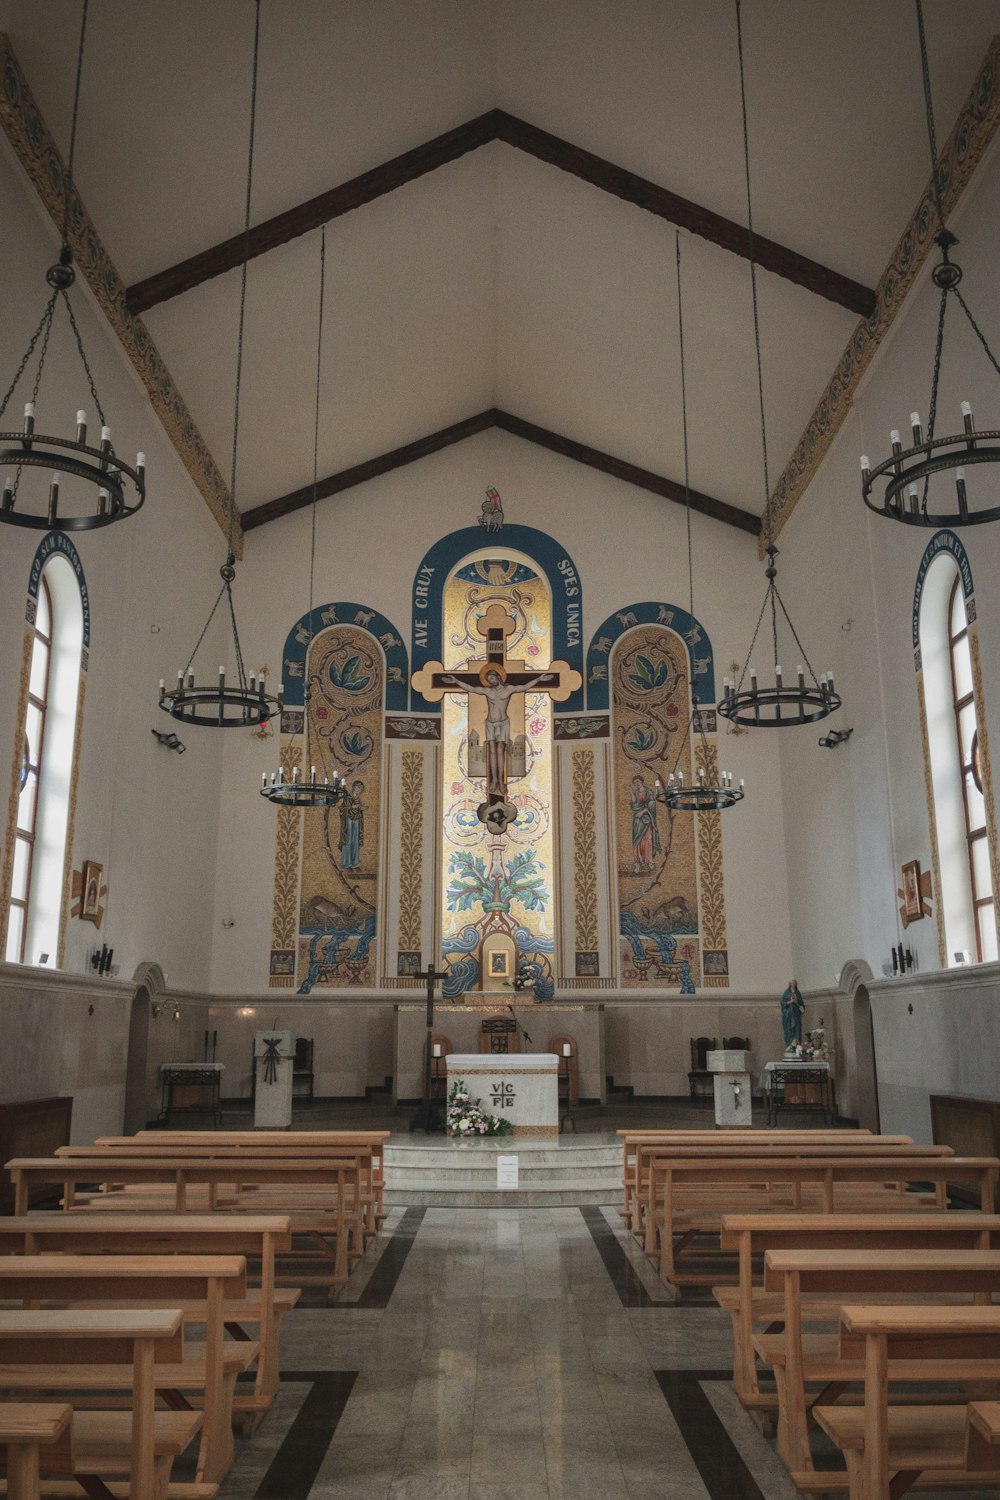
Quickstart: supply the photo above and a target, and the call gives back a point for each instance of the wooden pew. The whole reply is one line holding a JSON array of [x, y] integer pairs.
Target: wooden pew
[[809, 1279], [144, 1281], [26, 1429], [750, 1235], [684, 1213], [889, 1448], [982, 1436], [261, 1238], [65, 1345], [323, 1198], [651, 1153], [633, 1184], [295, 1141]]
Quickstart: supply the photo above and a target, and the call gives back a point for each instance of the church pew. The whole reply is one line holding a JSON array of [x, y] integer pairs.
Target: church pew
[[142, 1281], [813, 1284], [284, 1139], [751, 1235], [859, 1180], [655, 1159], [324, 1198], [143, 1151], [29, 1429], [260, 1238], [763, 1135], [61, 1348], [889, 1447]]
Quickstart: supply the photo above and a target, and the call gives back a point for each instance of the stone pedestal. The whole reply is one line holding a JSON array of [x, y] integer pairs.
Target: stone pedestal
[[520, 1087], [273, 1102], [732, 1087]]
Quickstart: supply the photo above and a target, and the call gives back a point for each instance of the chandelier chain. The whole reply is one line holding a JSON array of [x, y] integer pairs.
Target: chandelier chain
[[795, 637], [46, 325], [684, 424], [929, 110], [240, 669], [243, 281], [68, 176], [204, 629], [84, 360], [753, 277], [980, 335]]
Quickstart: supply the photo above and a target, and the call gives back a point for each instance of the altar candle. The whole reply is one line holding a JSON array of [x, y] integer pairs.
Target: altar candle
[[437, 1049], [567, 1050]]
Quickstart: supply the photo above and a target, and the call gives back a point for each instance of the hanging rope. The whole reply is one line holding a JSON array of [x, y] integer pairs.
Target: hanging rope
[[243, 285], [753, 277], [68, 176]]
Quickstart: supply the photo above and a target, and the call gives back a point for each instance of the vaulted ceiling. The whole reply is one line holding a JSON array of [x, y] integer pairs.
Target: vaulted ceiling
[[517, 276]]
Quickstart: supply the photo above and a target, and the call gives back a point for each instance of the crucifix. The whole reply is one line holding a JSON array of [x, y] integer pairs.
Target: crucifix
[[495, 687], [424, 1119]]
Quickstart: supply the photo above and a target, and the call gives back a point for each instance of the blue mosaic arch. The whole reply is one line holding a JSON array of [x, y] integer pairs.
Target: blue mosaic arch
[[293, 659], [552, 561], [53, 544], [650, 613], [942, 542]]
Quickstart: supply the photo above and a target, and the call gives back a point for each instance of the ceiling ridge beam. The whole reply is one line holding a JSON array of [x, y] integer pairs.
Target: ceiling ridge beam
[[685, 214], [543, 437], [498, 125], [314, 212], [974, 130]]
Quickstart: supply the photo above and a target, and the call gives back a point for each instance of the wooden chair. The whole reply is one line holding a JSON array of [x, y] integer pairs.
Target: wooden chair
[[699, 1078], [499, 1034], [736, 1043]]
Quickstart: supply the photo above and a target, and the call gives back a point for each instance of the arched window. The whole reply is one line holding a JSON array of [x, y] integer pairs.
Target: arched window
[[31, 760], [47, 758], [973, 803], [943, 633]]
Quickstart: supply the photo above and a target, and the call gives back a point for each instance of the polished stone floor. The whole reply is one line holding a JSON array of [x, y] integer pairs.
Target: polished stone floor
[[507, 1354]]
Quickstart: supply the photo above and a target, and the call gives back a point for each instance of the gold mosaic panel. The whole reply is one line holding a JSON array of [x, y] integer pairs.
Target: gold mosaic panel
[[528, 897], [411, 850], [710, 873], [287, 839], [585, 851], [338, 896], [656, 858]]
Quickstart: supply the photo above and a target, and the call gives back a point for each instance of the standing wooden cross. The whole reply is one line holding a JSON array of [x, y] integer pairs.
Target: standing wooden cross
[[424, 1119], [493, 751]]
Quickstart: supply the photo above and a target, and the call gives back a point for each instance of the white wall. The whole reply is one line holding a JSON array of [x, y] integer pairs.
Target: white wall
[[149, 816], [627, 546]]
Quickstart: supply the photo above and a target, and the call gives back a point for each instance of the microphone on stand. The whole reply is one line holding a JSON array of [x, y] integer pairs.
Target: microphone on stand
[[517, 1023]]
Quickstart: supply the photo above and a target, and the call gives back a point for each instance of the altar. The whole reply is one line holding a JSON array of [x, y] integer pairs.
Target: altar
[[519, 1087]]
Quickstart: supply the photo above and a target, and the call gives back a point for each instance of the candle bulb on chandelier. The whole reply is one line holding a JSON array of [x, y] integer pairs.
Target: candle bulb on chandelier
[[295, 773], [103, 502], [800, 674], [866, 468], [140, 464], [916, 429], [914, 499], [312, 777], [777, 677], [963, 501], [8, 493], [967, 417], [263, 781], [897, 449], [105, 441], [753, 679], [81, 426], [29, 416], [53, 498]]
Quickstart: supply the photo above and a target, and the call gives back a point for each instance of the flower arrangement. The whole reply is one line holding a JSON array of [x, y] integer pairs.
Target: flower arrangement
[[467, 1120]]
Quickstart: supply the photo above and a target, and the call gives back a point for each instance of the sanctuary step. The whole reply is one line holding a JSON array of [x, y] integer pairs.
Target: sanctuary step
[[435, 1172]]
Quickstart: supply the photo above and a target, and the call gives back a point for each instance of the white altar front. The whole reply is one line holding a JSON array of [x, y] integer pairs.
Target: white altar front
[[521, 1087]]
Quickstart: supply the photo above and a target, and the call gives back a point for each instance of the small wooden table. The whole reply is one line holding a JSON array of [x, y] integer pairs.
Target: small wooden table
[[191, 1088], [799, 1086]]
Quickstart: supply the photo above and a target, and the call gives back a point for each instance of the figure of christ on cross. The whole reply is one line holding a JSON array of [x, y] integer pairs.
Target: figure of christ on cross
[[495, 686], [497, 681]]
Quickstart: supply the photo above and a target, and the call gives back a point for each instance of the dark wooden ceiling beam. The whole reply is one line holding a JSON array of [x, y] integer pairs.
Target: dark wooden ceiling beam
[[594, 458], [497, 125], [297, 221], [685, 214]]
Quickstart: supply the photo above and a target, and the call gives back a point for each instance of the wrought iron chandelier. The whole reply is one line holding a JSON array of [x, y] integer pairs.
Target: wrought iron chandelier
[[111, 489], [905, 476], [703, 794], [245, 702], [285, 788], [807, 698]]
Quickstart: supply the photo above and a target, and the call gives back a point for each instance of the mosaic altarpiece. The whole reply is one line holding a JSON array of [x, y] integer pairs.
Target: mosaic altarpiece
[[404, 870]]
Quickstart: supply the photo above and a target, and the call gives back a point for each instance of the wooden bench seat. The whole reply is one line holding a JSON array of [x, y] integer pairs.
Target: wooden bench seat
[[890, 1448], [66, 1345], [137, 1282], [34, 1437], [802, 1359]]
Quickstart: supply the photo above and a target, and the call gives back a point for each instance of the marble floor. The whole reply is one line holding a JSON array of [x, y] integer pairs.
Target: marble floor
[[506, 1354]]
